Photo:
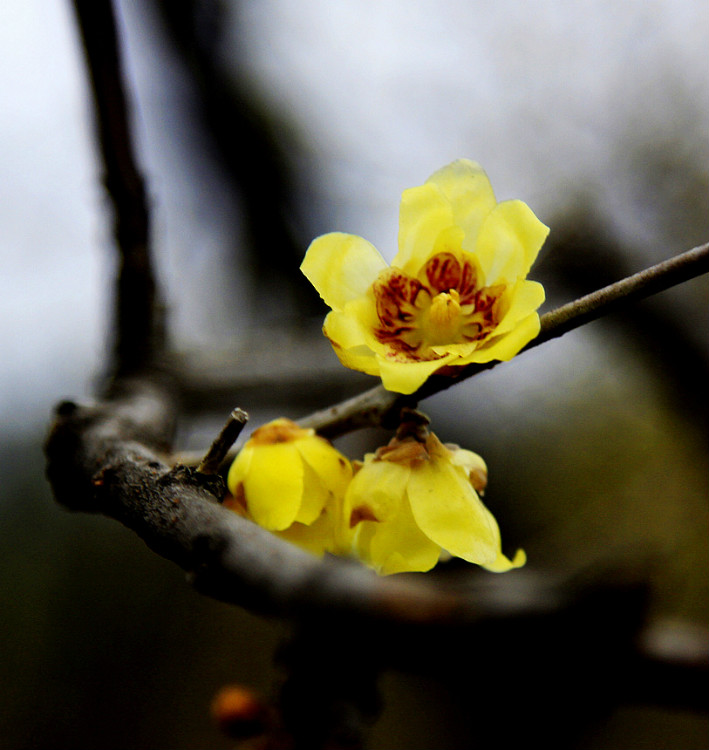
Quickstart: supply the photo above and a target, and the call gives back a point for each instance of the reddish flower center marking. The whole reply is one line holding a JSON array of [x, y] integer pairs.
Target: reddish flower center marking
[[279, 431], [444, 305]]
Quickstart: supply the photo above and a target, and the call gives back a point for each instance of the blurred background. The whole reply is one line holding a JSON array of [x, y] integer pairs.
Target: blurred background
[[260, 126]]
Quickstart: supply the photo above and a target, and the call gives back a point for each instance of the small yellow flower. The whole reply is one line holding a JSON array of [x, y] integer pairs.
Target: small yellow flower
[[292, 482], [417, 500], [456, 292]]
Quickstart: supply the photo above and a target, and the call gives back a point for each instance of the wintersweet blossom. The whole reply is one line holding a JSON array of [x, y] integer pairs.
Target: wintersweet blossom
[[292, 482], [416, 500], [456, 292]]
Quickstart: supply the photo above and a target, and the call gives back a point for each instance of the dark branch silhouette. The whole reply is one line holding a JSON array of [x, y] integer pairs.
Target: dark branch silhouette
[[138, 325]]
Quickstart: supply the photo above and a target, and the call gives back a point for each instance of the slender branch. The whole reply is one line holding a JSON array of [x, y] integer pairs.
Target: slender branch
[[378, 406], [653, 280], [226, 438], [138, 331]]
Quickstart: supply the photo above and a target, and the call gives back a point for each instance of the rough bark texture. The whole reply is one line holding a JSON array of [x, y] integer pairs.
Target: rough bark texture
[[109, 458]]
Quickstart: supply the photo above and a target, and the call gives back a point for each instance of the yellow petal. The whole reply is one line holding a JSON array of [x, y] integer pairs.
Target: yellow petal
[[274, 485], [316, 538], [468, 190], [509, 241], [523, 299], [396, 546], [424, 213], [459, 350], [472, 465], [509, 344], [329, 464], [376, 491], [354, 325], [239, 468], [341, 267], [315, 497], [450, 513], [406, 377], [359, 358], [503, 564]]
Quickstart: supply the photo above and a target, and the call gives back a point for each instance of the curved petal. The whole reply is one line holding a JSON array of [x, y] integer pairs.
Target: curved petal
[[273, 485], [472, 465], [525, 297], [341, 267], [424, 213], [239, 468], [503, 564], [351, 339], [450, 513], [406, 377], [316, 538], [358, 358], [376, 491], [468, 190], [397, 546], [510, 239], [353, 325], [509, 344], [326, 478], [333, 470], [459, 350], [316, 495]]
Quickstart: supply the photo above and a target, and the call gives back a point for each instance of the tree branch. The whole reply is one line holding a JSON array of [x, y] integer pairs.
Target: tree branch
[[138, 325], [107, 458], [226, 438]]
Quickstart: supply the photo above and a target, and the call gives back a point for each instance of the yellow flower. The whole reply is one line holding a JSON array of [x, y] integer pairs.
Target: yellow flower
[[292, 482], [417, 500], [455, 293]]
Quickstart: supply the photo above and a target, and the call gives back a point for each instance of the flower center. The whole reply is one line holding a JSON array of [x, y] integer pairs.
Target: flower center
[[444, 318], [445, 304]]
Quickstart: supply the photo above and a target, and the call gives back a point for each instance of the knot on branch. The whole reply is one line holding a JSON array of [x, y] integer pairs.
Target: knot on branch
[[186, 476]]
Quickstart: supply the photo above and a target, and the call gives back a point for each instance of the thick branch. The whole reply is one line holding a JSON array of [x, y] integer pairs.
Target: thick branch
[[107, 458], [377, 406], [137, 328]]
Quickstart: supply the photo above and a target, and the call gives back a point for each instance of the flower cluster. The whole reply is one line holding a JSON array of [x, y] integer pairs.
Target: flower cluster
[[407, 505], [456, 292]]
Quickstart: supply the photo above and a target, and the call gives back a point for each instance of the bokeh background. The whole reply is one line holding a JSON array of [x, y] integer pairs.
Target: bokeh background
[[260, 125]]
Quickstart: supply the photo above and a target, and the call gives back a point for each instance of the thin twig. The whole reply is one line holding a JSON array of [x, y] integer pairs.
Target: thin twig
[[226, 438], [138, 329], [643, 284], [375, 406]]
